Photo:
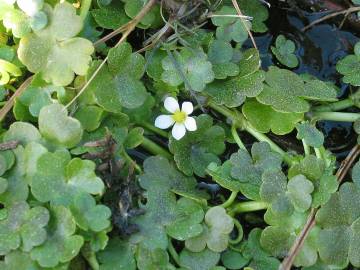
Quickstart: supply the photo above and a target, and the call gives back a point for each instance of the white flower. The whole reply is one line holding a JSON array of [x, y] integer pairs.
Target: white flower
[[179, 118]]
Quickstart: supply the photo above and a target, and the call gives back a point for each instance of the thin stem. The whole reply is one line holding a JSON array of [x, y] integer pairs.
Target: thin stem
[[154, 129], [240, 233], [318, 153], [224, 111], [230, 16], [240, 121], [230, 200], [84, 8], [263, 138], [306, 147], [335, 116], [173, 253], [237, 138], [132, 162], [155, 149], [90, 257], [335, 106], [251, 206]]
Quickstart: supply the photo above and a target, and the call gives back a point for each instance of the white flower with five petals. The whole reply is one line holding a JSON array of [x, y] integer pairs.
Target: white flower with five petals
[[179, 118]]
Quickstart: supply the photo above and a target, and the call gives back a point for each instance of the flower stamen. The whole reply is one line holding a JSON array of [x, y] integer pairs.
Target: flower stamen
[[179, 116]]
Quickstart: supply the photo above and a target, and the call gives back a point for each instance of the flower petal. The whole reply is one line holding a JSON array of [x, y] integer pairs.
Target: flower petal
[[190, 124], [187, 107], [164, 121], [171, 104], [178, 131]]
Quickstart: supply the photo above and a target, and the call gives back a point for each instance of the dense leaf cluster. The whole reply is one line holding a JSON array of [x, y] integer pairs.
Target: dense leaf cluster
[[88, 181]]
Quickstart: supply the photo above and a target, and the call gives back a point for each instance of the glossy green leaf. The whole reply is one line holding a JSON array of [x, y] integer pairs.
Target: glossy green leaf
[[264, 119]]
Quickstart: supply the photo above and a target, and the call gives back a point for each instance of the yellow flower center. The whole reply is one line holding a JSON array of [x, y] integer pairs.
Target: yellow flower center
[[179, 116]]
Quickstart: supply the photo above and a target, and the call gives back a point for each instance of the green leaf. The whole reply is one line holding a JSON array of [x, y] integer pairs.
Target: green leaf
[[249, 169], [59, 179], [22, 132], [258, 12], [196, 150], [17, 189], [249, 82], [23, 227], [259, 258], [62, 244], [349, 66], [233, 260], [134, 138], [122, 74], [203, 260], [339, 221], [161, 180], [88, 215], [153, 259], [52, 50], [284, 52], [90, 117], [38, 96], [264, 119], [230, 28], [285, 91], [216, 232], [118, 255], [57, 127], [133, 7], [21, 260], [355, 174], [299, 190], [189, 67], [220, 55], [189, 215], [325, 183], [111, 16], [310, 134]]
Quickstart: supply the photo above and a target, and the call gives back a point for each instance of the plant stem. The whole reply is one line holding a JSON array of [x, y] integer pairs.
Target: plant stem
[[335, 106], [240, 233], [250, 206], [306, 147], [240, 122], [263, 138], [154, 129], [155, 149], [230, 200], [131, 161], [237, 138], [90, 257], [335, 116], [318, 153], [173, 253], [84, 8]]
